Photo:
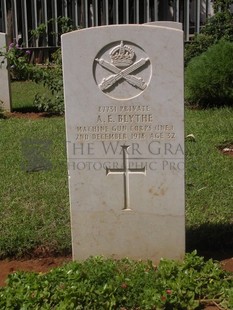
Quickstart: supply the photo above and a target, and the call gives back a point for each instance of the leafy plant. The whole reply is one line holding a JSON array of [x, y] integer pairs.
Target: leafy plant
[[219, 26], [65, 25], [17, 62], [197, 46], [223, 5], [50, 75], [209, 77], [53, 81], [39, 31], [100, 283]]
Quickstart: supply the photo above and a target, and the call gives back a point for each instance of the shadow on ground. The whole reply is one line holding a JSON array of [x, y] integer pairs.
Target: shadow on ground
[[32, 112], [25, 109], [2, 115], [211, 240]]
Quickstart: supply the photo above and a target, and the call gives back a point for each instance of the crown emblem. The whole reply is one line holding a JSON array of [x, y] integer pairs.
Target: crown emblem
[[122, 55]]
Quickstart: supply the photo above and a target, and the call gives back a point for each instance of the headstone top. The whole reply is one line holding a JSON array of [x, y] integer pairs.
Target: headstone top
[[168, 24]]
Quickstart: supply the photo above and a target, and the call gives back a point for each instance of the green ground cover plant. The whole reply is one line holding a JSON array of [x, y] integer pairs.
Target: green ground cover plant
[[99, 283]]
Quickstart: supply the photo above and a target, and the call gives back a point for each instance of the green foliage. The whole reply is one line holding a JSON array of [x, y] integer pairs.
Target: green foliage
[[39, 31], [65, 25], [100, 283], [222, 5], [53, 81], [197, 46], [17, 62], [209, 77], [50, 75], [219, 26]]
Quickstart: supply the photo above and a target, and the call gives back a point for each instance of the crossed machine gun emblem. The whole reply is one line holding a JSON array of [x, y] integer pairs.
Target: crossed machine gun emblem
[[121, 57]]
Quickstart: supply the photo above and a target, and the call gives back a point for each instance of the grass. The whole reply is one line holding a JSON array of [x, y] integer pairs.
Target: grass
[[34, 206], [23, 94], [208, 176], [209, 187]]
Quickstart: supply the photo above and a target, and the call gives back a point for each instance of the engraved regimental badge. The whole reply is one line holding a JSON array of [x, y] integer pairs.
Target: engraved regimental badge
[[129, 67]]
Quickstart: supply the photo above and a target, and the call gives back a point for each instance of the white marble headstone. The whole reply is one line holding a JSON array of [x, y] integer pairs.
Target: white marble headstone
[[125, 141], [168, 24], [5, 94]]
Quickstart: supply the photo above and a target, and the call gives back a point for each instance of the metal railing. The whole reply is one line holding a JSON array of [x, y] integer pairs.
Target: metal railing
[[19, 17]]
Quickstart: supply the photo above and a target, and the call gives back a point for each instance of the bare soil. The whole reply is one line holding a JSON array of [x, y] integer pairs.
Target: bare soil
[[43, 265]]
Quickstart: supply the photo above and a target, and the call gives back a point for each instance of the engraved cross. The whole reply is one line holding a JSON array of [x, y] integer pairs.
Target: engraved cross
[[126, 171]]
